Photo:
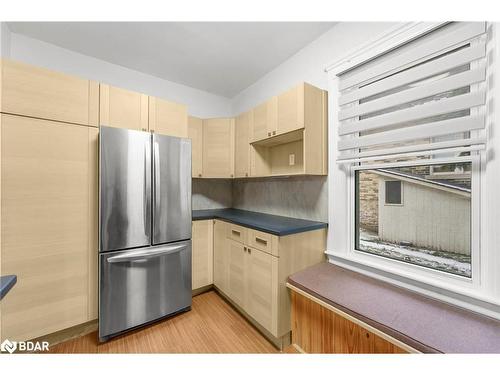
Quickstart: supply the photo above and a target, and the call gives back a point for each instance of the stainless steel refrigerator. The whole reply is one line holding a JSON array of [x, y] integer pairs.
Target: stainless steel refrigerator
[[144, 228]]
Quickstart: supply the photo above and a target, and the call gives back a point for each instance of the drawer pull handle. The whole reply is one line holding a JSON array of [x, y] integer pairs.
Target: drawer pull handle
[[264, 242], [236, 232]]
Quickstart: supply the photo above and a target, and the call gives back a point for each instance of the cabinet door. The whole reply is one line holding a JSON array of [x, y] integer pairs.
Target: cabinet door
[[122, 108], [291, 110], [242, 144], [218, 148], [262, 289], [168, 118], [41, 93], [220, 256], [195, 133], [48, 225], [237, 283], [202, 263], [265, 120]]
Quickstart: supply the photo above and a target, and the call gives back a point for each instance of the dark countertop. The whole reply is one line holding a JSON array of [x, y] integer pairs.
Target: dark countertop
[[277, 225], [6, 284], [423, 323]]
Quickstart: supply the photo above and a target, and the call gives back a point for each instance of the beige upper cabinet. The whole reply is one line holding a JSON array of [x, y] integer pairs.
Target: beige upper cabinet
[[195, 133], [122, 108], [299, 107], [168, 118], [243, 128], [49, 225], [37, 92], [265, 120], [218, 148]]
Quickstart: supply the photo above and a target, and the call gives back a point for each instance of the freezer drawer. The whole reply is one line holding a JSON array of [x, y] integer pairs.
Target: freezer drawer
[[171, 189], [140, 286], [125, 189]]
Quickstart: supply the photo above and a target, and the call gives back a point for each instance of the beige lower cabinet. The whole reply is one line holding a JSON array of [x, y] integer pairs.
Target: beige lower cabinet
[[202, 253], [48, 225], [221, 260], [168, 118], [254, 279]]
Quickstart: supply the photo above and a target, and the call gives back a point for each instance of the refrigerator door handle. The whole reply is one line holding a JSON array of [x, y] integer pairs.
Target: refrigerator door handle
[[144, 254], [156, 176], [147, 180]]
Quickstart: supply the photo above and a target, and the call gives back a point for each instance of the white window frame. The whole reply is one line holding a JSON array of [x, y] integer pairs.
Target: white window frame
[[481, 293]]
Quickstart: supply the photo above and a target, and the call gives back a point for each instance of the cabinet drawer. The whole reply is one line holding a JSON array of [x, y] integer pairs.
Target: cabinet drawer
[[237, 233], [263, 241]]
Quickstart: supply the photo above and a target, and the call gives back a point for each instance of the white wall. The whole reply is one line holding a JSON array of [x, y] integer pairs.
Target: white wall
[[4, 40], [32, 51], [309, 63]]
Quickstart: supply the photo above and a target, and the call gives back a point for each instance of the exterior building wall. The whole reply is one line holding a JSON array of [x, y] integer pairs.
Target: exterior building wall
[[428, 217], [368, 201]]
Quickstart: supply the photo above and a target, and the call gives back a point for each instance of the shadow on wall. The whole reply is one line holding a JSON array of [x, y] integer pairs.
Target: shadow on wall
[[211, 193], [304, 197]]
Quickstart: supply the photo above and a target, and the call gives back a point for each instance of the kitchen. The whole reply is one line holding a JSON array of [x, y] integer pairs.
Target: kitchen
[[176, 207]]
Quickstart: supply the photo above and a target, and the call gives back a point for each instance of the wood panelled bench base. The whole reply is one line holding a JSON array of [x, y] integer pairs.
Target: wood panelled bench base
[[317, 328]]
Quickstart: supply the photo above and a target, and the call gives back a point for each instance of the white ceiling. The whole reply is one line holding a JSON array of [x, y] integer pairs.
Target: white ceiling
[[219, 57]]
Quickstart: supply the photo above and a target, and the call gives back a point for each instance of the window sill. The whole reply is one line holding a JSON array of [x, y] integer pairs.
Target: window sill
[[464, 297]]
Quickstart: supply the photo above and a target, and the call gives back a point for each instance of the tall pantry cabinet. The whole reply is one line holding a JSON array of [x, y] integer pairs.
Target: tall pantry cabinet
[[48, 200]]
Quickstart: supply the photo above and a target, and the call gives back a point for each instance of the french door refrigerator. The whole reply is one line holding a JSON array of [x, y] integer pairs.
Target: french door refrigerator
[[144, 228]]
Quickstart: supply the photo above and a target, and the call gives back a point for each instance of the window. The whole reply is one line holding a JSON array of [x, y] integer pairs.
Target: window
[[433, 228], [411, 175], [393, 192]]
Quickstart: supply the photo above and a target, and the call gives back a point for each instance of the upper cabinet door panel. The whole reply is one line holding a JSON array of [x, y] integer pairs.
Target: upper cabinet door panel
[[195, 133], [168, 118], [41, 93], [265, 120], [243, 125], [218, 148], [291, 110], [121, 108]]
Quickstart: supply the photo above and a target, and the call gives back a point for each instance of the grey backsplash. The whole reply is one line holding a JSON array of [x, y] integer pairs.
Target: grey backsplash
[[303, 197], [211, 193]]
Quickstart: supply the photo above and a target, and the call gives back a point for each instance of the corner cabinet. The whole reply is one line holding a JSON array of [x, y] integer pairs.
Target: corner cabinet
[[202, 254], [251, 268], [168, 118], [218, 148], [195, 133], [242, 150], [122, 108]]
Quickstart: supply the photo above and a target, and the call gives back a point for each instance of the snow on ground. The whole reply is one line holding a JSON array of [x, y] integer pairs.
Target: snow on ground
[[444, 261]]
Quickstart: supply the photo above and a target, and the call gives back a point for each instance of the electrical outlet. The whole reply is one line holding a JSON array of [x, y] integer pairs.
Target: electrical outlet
[[291, 159]]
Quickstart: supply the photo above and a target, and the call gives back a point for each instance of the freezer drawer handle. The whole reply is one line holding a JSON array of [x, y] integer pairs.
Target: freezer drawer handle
[[139, 255]]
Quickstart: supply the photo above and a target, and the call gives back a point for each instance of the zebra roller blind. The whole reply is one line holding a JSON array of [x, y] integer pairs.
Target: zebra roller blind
[[425, 97]]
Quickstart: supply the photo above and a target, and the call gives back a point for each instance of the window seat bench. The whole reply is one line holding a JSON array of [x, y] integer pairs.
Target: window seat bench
[[409, 320]]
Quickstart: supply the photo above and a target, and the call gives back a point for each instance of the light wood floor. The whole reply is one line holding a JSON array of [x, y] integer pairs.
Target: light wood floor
[[212, 326]]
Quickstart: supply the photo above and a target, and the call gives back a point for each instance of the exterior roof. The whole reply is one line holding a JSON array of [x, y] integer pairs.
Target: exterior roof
[[423, 181]]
